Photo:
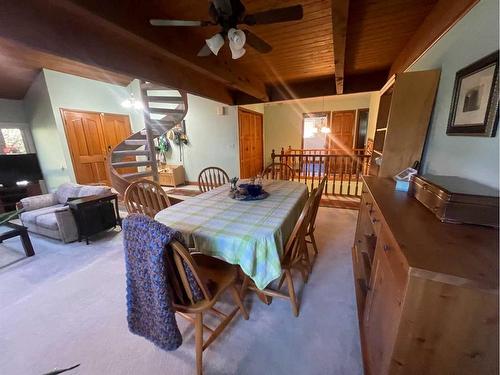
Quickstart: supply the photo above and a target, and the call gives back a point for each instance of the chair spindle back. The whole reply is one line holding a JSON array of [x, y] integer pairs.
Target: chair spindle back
[[212, 177], [145, 197]]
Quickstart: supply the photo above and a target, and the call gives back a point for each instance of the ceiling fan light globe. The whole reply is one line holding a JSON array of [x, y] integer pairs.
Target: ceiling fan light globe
[[237, 37], [215, 43], [236, 53]]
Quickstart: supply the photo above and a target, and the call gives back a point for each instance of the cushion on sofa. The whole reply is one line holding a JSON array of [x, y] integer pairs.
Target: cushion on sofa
[[87, 190], [48, 221], [31, 216], [38, 201], [67, 190]]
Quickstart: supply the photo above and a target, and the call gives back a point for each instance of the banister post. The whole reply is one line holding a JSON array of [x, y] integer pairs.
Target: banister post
[[273, 155]]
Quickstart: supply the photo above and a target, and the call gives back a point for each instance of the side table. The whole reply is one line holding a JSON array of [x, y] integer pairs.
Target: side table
[[95, 214]]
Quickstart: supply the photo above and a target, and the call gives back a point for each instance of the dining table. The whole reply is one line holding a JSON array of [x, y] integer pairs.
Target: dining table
[[251, 234]]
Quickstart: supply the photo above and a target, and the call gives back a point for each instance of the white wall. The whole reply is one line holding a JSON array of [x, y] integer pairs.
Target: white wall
[[12, 111], [476, 158], [213, 139], [56, 91], [49, 144], [283, 121], [372, 115]]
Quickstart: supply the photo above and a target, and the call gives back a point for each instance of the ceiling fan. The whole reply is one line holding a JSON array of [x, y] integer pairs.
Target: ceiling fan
[[228, 14]]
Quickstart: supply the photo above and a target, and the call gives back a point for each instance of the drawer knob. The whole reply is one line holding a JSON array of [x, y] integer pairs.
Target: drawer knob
[[386, 247]]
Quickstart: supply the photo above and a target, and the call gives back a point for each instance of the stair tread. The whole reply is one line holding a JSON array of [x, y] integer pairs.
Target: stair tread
[[136, 141], [164, 99], [124, 164], [136, 174], [131, 152], [165, 110]]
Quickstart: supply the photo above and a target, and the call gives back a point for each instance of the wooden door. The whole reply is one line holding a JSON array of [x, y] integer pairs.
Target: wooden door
[[251, 143], [87, 146], [116, 128], [342, 135]]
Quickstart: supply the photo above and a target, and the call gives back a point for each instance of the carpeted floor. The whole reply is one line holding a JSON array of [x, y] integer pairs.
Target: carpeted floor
[[66, 305]]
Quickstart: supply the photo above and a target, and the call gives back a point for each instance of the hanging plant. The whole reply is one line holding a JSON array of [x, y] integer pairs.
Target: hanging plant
[[163, 147]]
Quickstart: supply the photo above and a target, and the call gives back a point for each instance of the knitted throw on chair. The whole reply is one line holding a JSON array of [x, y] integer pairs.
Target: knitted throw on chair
[[149, 301]]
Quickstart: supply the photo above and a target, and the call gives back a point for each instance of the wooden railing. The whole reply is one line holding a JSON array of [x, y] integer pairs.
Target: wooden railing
[[343, 170], [324, 151]]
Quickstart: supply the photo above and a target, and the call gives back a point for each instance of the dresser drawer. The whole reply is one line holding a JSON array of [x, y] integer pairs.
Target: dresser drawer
[[368, 205], [395, 258]]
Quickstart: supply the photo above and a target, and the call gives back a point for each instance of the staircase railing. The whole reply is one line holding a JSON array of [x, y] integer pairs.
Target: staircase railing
[[343, 170], [164, 108]]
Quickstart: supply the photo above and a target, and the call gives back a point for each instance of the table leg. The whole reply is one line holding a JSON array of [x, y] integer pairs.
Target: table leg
[[27, 246], [117, 212]]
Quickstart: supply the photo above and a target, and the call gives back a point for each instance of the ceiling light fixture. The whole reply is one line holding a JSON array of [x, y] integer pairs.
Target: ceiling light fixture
[[237, 40], [215, 43], [132, 102]]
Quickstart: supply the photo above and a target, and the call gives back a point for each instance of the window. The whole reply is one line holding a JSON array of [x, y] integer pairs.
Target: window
[[316, 127], [12, 141]]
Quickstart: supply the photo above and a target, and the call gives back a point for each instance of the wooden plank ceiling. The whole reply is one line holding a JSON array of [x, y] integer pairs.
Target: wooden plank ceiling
[[302, 59]]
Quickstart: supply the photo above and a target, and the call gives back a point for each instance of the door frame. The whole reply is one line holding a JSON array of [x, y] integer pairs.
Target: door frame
[[101, 114], [356, 133], [261, 115]]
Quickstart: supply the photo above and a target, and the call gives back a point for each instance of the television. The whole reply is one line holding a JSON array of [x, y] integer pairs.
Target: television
[[19, 167]]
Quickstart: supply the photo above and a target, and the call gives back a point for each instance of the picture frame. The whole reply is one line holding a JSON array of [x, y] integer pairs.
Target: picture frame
[[474, 106]]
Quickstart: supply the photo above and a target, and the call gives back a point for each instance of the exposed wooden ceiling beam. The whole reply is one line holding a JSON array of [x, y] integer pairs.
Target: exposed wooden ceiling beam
[[322, 86], [15, 54], [443, 16], [64, 29], [340, 13]]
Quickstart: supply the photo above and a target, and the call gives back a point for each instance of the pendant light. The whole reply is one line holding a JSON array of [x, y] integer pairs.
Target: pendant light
[[324, 128]]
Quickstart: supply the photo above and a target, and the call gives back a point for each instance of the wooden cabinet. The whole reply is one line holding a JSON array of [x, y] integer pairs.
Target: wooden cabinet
[[405, 108], [171, 175], [427, 292]]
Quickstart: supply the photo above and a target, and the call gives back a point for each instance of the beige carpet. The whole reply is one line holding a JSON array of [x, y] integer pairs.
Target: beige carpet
[[66, 305]]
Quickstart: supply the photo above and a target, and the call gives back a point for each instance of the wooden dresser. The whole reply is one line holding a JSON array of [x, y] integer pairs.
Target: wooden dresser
[[427, 292]]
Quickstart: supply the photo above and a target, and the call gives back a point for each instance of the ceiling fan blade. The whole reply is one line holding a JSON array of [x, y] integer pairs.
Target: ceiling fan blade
[[293, 13], [257, 43], [162, 22], [204, 51]]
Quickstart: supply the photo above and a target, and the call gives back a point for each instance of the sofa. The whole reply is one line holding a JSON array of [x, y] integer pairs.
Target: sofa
[[48, 214]]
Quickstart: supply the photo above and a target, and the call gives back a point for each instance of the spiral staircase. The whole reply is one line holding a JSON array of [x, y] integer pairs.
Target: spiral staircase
[[135, 157]]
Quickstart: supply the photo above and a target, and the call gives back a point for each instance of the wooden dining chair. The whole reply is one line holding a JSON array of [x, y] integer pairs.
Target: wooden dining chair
[[212, 177], [293, 259], [145, 197], [278, 171], [213, 277], [312, 218]]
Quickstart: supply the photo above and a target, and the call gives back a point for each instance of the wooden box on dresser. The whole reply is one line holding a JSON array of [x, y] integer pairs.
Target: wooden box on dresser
[[427, 292]]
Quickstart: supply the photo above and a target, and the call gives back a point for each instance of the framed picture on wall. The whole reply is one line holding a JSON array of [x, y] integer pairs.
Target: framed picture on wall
[[474, 107]]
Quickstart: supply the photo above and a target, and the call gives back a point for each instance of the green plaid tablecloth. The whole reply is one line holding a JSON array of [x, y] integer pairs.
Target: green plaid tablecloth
[[251, 234]]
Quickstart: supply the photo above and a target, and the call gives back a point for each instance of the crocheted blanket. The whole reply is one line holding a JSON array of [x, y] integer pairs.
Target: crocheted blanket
[[149, 301]]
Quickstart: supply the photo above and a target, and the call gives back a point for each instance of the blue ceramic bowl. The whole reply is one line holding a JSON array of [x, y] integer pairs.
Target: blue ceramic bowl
[[254, 190]]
